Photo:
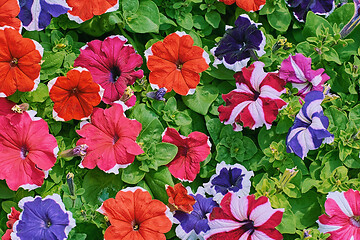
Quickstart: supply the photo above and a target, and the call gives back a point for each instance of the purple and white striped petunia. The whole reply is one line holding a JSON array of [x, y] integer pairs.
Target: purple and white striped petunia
[[256, 100], [343, 216], [35, 15], [244, 218], [301, 7], [239, 43], [229, 178], [297, 70], [43, 218], [310, 127]]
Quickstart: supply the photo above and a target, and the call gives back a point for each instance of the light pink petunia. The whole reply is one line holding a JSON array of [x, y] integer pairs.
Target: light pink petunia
[[110, 138], [297, 70], [191, 151], [112, 64], [343, 216], [27, 150], [256, 100], [244, 218]]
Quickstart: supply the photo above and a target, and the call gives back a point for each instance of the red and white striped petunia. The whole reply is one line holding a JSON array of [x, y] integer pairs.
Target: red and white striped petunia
[[244, 218], [256, 100]]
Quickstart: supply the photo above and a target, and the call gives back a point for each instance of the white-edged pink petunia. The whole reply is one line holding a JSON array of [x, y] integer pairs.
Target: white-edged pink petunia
[[297, 70], [244, 218], [342, 218], [256, 100]]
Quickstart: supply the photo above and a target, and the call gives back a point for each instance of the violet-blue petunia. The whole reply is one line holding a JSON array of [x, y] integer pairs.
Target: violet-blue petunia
[[239, 44], [300, 8], [310, 127], [43, 218], [35, 15]]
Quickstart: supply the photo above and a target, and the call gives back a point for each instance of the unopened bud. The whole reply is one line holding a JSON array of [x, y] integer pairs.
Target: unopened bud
[[70, 182]]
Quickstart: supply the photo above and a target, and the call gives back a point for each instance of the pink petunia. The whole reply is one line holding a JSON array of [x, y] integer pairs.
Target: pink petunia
[[297, 70], [112, 64], [6, 106], [110, 138], [191, 151], [27, 150], [256, 100], [244, 218], [342, 218]]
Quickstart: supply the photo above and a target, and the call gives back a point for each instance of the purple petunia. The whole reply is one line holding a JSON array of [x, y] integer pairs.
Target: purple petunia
[[239, 44], [310, 127], [301, 7], [43, 218]]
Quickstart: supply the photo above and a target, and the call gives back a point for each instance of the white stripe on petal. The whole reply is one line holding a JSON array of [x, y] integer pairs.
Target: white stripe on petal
[[327, 228], [222, 225], [35, 12], [239, 207], [258, 235], [269, 92], [298, 72], [316, 80], [341, 201], [314, 107], [257, 113], [258, 75], [262, 213], [294, 132], [236, 111]]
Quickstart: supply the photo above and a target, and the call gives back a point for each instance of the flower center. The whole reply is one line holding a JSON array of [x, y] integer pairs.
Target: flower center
[[14, 62], [24, 152], [179, 64], [115, 74], [256, 95], [74, 91], [355, 221], [48, 223], [248, 226], [135, 226], [115, 139]]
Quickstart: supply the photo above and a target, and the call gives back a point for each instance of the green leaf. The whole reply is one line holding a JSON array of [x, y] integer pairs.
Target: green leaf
[[131, 174], [185, 20], [143, 114], [130, 6], [280, 19], [164, 153], [313, 22], [52, 61], [201, 100], [39, 95], [199, 22], [354, 115], [56, 173], [7, 205], [156, 180], [284, 125], [214, 127], [146, 19], [5, 192], [332, 56], [152, 132], [213, 18]]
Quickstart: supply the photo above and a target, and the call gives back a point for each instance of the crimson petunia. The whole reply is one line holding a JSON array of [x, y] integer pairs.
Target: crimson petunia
[[247, 5], [27, 150], [13, 216], [6, 106], [75, 95], [192, 150], [175, 63], [112, 64], [19, 62], [110, 138], [9, 9]]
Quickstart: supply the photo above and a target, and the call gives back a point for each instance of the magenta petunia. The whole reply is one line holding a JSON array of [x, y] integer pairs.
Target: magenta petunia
[[27, 150], [6, 106], [342, 218], [256, 100], [244, 218], [297, 70], [112, 64], [110, 138], [191, 151]]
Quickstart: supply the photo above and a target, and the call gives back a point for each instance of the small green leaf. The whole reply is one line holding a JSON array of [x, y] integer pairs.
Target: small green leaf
[[156, 180], [213, 18], [131, 174], [201, 100]]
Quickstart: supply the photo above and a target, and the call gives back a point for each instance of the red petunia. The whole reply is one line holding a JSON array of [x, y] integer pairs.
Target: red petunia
[[175, 63], [247, 5], [110, 138], [13, 217], [9, 9], [179, 199], [27, 150], [191, 151], [134, 215], [75, 95], [19, 62], [6, 106], [83, 10]]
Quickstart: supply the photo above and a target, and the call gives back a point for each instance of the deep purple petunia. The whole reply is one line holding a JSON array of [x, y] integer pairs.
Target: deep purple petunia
[[239, 44], [301, 7], [35, 15], [112, 64], [43, 218]]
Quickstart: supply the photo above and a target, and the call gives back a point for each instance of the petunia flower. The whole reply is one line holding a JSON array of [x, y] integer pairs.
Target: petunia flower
[[43, 218], [27, 150], [342, 219], [194, 225], [310, 127], [6, 106], [75, 95], [35, 15], [239, 44], [175, 63], [244, 218], [83, 10], [9, 9], [229, 178], [247, 5], [297, 70], [112, 64], [128, 99], [300, 8], [110, 138], [191, 151], [255, 101], [179, 199], [13, 216], [19, 62], [134, 215]]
